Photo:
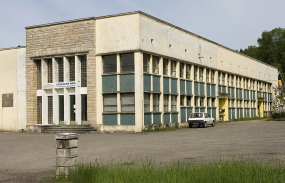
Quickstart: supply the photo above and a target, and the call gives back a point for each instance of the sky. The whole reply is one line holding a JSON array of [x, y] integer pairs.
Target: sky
[[233, 23]]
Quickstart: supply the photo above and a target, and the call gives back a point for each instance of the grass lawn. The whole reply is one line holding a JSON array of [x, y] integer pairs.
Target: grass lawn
[[220, 171]]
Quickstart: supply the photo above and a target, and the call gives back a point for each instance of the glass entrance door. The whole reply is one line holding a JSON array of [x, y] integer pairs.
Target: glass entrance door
[[61, 109], [72, 110]]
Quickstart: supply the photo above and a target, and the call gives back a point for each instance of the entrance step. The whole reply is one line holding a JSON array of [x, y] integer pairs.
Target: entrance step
[[68, 129]]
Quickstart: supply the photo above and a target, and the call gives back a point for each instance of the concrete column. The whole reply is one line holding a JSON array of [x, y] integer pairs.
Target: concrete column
[[99, 96], [178, 90], [77, 90], [66, 152], [161, 88], [139, 102]]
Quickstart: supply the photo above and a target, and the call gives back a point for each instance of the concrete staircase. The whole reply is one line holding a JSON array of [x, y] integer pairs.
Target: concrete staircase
[[67, 129]]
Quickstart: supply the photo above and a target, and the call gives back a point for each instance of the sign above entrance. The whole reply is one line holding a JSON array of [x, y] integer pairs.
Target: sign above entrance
[[59, 85]]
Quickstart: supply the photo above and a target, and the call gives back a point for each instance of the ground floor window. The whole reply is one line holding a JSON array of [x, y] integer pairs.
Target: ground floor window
[[61, 109], [110, 102], [165, 102], [173, 103], [146, 102], [155, 102], [128, 102], [84, 107], [39, 110], [50, 110]]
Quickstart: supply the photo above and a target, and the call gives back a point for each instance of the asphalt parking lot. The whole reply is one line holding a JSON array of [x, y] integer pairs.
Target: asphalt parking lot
[[30, 157]]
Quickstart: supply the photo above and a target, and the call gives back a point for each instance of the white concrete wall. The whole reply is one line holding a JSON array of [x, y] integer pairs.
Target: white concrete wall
[[13, 80]]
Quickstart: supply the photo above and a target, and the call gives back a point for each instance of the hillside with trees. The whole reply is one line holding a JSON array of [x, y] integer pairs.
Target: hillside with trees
[[270, 49]]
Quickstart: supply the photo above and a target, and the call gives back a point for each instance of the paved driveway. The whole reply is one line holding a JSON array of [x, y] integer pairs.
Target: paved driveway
[[30, 157]]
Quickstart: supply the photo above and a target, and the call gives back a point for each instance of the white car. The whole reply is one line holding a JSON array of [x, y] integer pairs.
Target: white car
[[201, 119]]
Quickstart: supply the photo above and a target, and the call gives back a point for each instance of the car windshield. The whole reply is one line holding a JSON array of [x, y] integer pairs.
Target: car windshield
[[196, 115]]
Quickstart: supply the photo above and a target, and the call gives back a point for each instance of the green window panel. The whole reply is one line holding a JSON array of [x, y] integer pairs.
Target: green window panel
[[173, 85], [233, 92], [224, 89], [189, 87], [233, 114], [213, 90], [202, 109], [219, 89], [128, 119], [230, 114], [237, 91], [146, 82], [182, 86], [197, 109], [237, 113], [109, 83], [196, 88], [157, 118], [174, 118], [208, 90], [214, 113], [248, 113], [209, 111], [147, 119], [166, 118], [166, 85], [110, 119], [183, 114], [127, 82], [156, 83], [189, 111], [229, 92], [202, 89], [241, 113]]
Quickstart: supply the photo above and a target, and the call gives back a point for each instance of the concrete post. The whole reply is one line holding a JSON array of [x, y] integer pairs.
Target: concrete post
[[66, 152]]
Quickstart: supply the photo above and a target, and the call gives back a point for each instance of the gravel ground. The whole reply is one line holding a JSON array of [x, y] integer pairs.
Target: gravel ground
[[30, 157]]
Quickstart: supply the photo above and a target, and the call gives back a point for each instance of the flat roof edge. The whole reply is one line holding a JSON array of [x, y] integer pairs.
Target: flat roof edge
[[18, 47]]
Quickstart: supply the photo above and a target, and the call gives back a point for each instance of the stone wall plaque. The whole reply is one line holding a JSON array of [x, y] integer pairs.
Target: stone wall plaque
[[7, 100]]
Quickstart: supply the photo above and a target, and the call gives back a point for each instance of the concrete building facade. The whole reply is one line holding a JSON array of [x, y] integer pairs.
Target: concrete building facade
[[125, 72], [13, 89]]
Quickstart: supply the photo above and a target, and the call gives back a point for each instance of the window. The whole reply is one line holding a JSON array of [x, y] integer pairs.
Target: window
[[155, 102], [219, 78], [212, 76], [237, 81], [50, 110], [182, 103], [49, 68], [110, 102], [202, 101], [188, 101], [155, 65], [165, 102], [109, 64], [207, 75], [39, 110], [173, 103], [61, 108], [181, 70], [213, 102], [165, 67], [71, 61], [60, 70], [195, 72], [188, 71], [83, 71], [39, 74], [232, 81], [209, 102], [196, 101], [127, 62], [201, 74], [128, 102], [269, 88], [84, 107], [146, 59], [146, 102], [228, 81], [173, 68], [223, 78]]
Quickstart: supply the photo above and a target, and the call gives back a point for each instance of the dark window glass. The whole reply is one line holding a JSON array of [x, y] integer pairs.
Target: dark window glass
[[50, 110], [83, 71], [109, 64], [49, 67], [127, 62], [61, 107], [39, 74], [60, 70], [84, 107], [71, 68], [146, 58], [39, 110]]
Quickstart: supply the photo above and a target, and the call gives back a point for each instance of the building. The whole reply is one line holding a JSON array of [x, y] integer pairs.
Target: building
[[126, 71], [13, 89]]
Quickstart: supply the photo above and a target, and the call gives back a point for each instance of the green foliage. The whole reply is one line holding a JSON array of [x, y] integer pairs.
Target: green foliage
[[278, 115], [219, 171], [270, 49]]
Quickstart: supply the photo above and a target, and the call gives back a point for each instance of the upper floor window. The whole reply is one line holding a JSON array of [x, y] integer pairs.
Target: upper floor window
[[39, 73], [195, 73], [173, 103], [228, 81], [155, 102], [109, 64], [60, 70], [207, 75], [71, 61], [127, 62], [146, 102], [165, 67], [181, 70], [155, 65], [212, 76], [128, 102], [232, 81], [146, 59], [188, 71], [201, 70], [49, 69], [83, 71], [173, 68], [165, 102], [219, 78], [223, 78], [110, 102]]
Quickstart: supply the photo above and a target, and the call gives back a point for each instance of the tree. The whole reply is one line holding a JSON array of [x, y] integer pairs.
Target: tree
[[270, 49]]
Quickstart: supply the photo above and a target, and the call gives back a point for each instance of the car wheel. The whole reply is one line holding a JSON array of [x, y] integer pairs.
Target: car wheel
[[213, 124], [190, 125], [205, 125]]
